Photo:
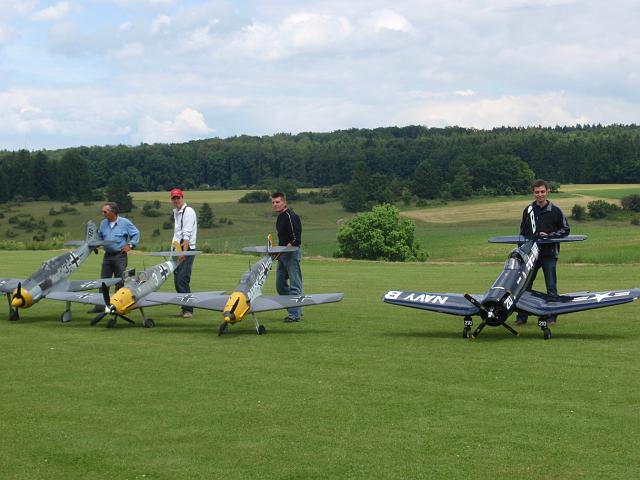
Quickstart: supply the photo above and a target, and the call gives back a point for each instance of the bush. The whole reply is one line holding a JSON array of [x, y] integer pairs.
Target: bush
[[631, 202], [635, 220], [601, 209], [10, 234], [380, 234], [257, 196], [58, 223], [578, 212], [150, 210]]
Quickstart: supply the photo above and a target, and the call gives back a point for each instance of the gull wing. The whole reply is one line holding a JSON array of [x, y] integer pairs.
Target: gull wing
[[276, 302], [451, 303], [77, 297], [537, 303], [207, 300], [8, 285]]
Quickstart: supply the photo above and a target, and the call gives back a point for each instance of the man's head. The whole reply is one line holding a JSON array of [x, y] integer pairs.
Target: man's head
[[540, 192], [279, 202], [177, 198], [110, 211]]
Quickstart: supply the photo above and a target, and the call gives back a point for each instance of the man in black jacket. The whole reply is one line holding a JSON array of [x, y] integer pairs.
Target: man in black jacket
[[288, 275], [543, 219]]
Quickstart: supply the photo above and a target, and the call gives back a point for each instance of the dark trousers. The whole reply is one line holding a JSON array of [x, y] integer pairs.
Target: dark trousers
[[114, 266], [548, 265], [182, 278]]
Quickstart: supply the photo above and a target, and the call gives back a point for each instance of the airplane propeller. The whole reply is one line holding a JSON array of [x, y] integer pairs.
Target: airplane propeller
[[488, 316], [18, 294], [109, 309]]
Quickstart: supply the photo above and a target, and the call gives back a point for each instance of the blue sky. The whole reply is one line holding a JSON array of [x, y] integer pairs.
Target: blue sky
[[99, 72]]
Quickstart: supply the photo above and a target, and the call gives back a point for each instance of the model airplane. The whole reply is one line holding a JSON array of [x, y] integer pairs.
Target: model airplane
[[509, 293], [247, 296], [52, 277], [138, 291]]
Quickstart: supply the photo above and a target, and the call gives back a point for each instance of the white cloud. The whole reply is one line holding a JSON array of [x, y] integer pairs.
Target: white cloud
[[54, 12], [189, 124], [465, 93], [388, 20], [159, 22]]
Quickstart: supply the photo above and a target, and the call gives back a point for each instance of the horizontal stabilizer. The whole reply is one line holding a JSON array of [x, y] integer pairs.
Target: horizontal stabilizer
[[92, 244], [189, 253], [519, 239], [265, 249]]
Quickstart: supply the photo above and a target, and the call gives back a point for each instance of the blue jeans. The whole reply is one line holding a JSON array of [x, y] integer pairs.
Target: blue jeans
[[289, 279], [548, 265], [182, 278]]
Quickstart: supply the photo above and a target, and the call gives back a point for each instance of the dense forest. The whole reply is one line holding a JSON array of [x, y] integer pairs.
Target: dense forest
[[423, 161]]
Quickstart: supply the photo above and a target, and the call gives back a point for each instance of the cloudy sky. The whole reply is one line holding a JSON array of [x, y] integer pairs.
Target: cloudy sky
[[98, 72]]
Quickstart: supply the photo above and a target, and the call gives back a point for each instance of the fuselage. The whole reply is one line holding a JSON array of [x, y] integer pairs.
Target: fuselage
[[51, 273], [249, 287], [514, 279]]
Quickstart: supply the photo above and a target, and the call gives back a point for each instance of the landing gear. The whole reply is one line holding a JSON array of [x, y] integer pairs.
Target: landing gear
[[223, 328], [111, 323], [14, 315], [466, 331], [148, 323], [546, 332], [66, 315], [259, 328]]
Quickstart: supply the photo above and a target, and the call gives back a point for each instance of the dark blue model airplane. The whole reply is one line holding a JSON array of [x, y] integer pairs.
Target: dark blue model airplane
[[510, 293]]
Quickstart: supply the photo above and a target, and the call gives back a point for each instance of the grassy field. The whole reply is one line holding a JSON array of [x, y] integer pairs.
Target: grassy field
[[358, 389]]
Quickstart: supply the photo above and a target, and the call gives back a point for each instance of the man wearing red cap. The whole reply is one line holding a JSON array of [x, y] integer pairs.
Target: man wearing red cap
[[184, 231]]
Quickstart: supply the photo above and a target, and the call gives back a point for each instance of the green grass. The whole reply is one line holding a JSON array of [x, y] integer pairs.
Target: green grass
[[359, 389]]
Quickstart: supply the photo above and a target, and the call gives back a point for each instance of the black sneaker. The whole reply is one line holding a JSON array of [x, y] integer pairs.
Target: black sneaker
[[289, 319]]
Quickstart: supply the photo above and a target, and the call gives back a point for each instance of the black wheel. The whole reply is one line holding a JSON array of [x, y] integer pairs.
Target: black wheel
[[65, 317], [261, 330], [14, 315], [111, 323], [546, 333], [466, 332], [148, 323], [223, 328]]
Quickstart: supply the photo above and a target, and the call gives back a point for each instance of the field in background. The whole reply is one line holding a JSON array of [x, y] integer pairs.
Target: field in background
[[358, 389]]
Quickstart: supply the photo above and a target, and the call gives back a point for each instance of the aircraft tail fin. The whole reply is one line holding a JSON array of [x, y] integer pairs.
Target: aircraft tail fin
[[520, 239], [91, 238]]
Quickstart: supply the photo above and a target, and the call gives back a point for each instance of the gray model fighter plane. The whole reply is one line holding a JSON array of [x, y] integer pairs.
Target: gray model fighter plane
[[138, 291], [52, 277], [509, 293], [247, 296]]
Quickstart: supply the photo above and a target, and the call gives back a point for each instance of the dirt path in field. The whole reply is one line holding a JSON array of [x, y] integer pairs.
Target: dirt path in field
[[489, 211]]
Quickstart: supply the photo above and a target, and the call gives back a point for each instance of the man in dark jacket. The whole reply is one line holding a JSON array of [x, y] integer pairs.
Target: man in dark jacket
[[543, 219], [288, 275]]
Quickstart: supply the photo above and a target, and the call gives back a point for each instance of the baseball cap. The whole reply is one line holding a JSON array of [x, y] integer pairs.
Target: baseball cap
[[176, 192]]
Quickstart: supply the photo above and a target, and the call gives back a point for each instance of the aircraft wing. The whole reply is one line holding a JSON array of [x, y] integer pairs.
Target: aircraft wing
[[451, 303], [208, 300], [276, 302], [537, 303], [77, 297], [8, 285], [81, 285], [519, 239]]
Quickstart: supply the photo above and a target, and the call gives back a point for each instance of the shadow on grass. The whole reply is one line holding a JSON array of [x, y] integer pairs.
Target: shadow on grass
[[526, 335]]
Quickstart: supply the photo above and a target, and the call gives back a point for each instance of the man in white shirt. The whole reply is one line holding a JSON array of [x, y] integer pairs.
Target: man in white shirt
[[184, 232]]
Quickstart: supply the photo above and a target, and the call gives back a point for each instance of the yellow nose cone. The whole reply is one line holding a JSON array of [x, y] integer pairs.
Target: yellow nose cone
[[122, 301], [25, 300], [236, 308]]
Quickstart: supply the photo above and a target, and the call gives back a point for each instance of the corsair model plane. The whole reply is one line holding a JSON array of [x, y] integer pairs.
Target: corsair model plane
[[510, 293], [137, 292], [247, 296], [52, 277]]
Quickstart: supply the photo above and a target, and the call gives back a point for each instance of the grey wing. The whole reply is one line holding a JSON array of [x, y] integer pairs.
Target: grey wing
[[77, 297], [536, 303], [8, 285], [276, 302], [451, 303], [207, 300], [81, 285]]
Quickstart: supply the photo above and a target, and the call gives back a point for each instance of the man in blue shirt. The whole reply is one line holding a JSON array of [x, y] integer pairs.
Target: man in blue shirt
[[126, 236]]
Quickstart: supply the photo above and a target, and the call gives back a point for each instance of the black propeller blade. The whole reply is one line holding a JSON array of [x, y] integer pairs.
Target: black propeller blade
[[18, 294]]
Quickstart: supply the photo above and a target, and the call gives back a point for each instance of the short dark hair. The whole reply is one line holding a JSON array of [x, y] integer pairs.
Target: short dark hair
[[279, 195], [540, 183], [113, 207]]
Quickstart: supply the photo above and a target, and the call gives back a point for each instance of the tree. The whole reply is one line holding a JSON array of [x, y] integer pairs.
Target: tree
[[380, 234], [427, 180], [74, 179], [354, 198], [117, 190], [205, 216], [462, 187]]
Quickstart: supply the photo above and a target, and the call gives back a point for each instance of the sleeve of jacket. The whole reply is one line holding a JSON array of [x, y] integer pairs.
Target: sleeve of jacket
[[562, 223]]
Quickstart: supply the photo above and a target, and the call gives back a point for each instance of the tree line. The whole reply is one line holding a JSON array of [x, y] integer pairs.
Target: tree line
[[398, 161]]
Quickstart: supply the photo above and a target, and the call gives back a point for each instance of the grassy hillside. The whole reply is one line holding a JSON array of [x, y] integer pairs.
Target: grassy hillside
[[358, 389]]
